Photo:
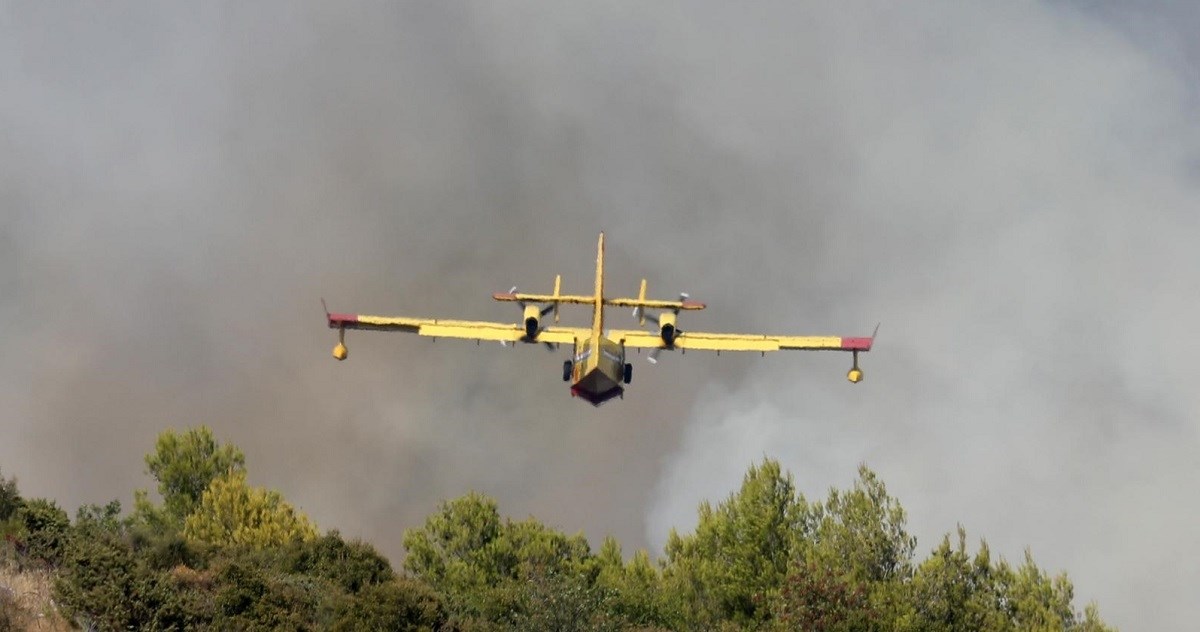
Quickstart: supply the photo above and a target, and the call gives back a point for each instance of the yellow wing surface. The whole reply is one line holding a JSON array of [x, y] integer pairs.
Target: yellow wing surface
[[465, 329], [705, 341]]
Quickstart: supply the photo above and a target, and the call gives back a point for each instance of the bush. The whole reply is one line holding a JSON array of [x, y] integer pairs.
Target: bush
[[10, 499], [44, 528], [403, 604], [351, 566], [250, 597]]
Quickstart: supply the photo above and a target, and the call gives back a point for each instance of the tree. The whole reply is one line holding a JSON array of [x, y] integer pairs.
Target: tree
[[861, 532], [185, 464], [854, 544], [633, 589], [556, 601], [528, 547], [731, 569], [951, 591], [231, 512], [1040, 602], [483, 565], [1091, 621], [455, 550], [10, 498], [822, 599]]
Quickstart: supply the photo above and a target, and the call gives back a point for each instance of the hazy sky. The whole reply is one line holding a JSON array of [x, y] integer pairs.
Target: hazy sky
[[1011, 188]]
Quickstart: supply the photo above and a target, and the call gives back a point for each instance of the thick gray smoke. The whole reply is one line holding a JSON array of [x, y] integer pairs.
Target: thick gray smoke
[[1011, 189]]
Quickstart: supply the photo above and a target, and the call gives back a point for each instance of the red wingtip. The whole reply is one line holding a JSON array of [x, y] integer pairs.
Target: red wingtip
[[341, 320], [857, 344]]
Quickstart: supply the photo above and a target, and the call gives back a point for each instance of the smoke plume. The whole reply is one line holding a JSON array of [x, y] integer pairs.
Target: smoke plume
[[1010, 189]]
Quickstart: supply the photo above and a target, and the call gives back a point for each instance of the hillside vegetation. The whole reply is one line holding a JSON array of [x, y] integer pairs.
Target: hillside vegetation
[[220, 554]]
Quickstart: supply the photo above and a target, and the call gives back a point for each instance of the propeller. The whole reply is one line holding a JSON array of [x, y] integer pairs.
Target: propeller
[[533, 325], [664, 326]]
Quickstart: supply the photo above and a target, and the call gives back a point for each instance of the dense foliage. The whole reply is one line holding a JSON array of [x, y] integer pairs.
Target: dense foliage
[[220, 554]]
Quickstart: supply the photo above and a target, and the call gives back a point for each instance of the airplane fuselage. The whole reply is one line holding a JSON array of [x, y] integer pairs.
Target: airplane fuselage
[[598, 370]]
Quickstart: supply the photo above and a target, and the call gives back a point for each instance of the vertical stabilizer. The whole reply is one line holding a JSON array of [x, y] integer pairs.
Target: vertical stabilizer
[[598, 310]]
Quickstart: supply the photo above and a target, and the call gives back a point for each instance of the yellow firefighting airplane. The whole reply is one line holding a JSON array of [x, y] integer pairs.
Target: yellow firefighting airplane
[[598, 368]]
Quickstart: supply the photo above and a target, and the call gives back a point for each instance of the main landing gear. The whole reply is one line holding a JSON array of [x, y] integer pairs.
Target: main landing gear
[[626, 375]]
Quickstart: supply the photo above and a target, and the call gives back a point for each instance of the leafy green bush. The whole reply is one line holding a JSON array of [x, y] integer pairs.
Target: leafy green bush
[[10, 498], [44, 528], [351, 566], [102, 584], [401, 604], [249, 596]]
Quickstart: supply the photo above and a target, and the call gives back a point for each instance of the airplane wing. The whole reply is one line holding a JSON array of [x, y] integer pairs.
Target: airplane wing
[[465, 329], [704, 341]]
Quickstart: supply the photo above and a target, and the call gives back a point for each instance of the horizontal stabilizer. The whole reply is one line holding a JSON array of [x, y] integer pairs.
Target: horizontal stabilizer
[[544, 298], [649, 303]]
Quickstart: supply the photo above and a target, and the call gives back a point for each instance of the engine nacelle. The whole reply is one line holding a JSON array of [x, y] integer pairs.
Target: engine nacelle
[[532, 326], [666, 328]]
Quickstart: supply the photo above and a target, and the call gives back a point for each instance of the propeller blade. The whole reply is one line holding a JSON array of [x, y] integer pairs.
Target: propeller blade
[[653, 357]]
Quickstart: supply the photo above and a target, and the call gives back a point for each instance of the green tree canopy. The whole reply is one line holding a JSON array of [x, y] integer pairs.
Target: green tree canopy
[[860, 532], [852, 548], [486, 566], [732, 567], [633, 589], [231, 512], [951, 590], [185, 464]]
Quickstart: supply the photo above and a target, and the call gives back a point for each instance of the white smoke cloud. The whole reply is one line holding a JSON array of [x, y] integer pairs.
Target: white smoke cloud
[[1021, 213], [1010, 189]]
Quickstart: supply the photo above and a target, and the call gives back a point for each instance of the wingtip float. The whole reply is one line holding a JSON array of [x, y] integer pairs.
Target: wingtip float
[[597, 369]]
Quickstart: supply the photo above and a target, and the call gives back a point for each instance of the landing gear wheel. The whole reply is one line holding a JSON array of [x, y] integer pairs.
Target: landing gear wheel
[[566, 370], [628, 373]]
